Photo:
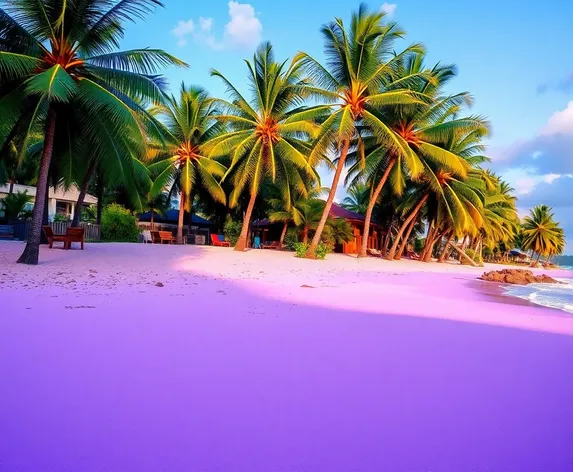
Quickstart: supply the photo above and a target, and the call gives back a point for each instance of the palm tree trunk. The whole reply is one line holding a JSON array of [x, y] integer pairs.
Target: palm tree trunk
[[11, 188], [99, 192], [83, 192], [32, 250], [311, 252], [405, 239], [392, 253], [152, 219], [242, 241], [305, 235], [444, 252], [180, 221], [370, 208], [283, 234], [429, 243]]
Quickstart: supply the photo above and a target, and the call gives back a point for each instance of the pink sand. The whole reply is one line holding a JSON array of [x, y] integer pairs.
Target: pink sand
[[263, 362]]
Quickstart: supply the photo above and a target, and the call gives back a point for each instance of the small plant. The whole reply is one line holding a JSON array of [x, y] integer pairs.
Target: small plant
[[291, 239], [321, 251], [232, 231], [14, 204], [119, 224], [61, 218]]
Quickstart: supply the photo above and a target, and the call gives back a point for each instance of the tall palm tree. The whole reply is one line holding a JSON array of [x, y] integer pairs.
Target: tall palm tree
[[182, 161], [60, 72], [355, 83], [268, 135], [541, 233]]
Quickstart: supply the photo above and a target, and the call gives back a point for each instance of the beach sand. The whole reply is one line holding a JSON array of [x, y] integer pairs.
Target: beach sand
[[127, 357]]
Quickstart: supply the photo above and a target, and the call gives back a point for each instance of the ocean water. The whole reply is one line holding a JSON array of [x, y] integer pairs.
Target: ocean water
[[558, 296]]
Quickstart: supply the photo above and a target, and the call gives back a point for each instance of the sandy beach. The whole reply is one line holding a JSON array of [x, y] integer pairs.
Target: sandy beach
[[127, 357]]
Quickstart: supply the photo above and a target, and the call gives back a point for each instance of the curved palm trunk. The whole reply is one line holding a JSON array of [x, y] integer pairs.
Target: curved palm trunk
[[180, 220], [405, 239], [429, 246], [413, 214], [311, 252], [444, 252], [32, 249], [305, 235], [283, 234], [82, 195], [242, 241], [370, 209]]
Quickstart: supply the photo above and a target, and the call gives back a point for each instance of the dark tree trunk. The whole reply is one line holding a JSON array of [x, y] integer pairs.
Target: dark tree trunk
[[429, 242], [311, 252], [242, 241], [99, 197], [283, 234], [32, 250], [11, 188], [305, 235], [83, 191], [370, 209]]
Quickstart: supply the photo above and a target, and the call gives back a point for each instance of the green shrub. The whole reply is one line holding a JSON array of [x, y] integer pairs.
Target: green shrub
[[419, 245], [300, 249], [119, 224], [321, 251], [61, 218], [291, 239], [232, 231], [474, 255]]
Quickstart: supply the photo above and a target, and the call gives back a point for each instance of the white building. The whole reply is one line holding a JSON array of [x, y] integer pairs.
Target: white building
[[60, 201]]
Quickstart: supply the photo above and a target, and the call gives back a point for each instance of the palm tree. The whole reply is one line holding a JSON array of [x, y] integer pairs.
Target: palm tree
[[355, 84], [541, 233], [181, 162], [267, 136], [357, 198], [338, 231], [158, 204], [13, 204], [60, 73]]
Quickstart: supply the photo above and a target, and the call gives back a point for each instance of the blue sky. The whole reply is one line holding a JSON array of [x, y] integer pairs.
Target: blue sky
[[515, 57]]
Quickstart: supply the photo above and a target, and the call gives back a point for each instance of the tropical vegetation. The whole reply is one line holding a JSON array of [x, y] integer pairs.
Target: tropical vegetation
[[77, 111]]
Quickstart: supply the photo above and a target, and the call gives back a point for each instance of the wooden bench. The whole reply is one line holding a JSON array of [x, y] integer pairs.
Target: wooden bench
[[73, 235], [6, 232], [271, 245], [166, 237]]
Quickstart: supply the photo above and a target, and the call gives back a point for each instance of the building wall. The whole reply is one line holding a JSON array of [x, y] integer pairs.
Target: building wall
[[68, 197]]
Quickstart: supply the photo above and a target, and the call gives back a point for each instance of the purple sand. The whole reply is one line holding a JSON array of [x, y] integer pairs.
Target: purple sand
[[209, 383]]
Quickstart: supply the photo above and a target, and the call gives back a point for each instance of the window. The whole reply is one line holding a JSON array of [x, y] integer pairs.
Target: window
[[62, 208]]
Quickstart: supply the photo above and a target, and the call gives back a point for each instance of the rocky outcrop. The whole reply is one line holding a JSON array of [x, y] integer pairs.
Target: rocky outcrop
[[517, 277]]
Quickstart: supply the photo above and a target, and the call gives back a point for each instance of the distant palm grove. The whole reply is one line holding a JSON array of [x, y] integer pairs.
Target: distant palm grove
[[77, 111]]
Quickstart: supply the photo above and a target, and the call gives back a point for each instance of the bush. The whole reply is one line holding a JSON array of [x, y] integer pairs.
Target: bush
[[321, 251], [474, 256], [232, 231], [291, 239], [419, 245], [61, 218], [119, 224]]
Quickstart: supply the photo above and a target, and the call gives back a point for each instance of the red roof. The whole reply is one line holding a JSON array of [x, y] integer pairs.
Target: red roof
[[336, 211]]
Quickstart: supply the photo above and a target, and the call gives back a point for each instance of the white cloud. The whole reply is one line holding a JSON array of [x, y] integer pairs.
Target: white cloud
[[182, 30], [560, 122], [205, 24], [243, 30], [389, 8]]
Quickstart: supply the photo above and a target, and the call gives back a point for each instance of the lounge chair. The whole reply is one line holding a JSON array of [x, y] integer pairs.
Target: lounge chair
[[374, 252], [219, 240], [73, 235], [271, 245]]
